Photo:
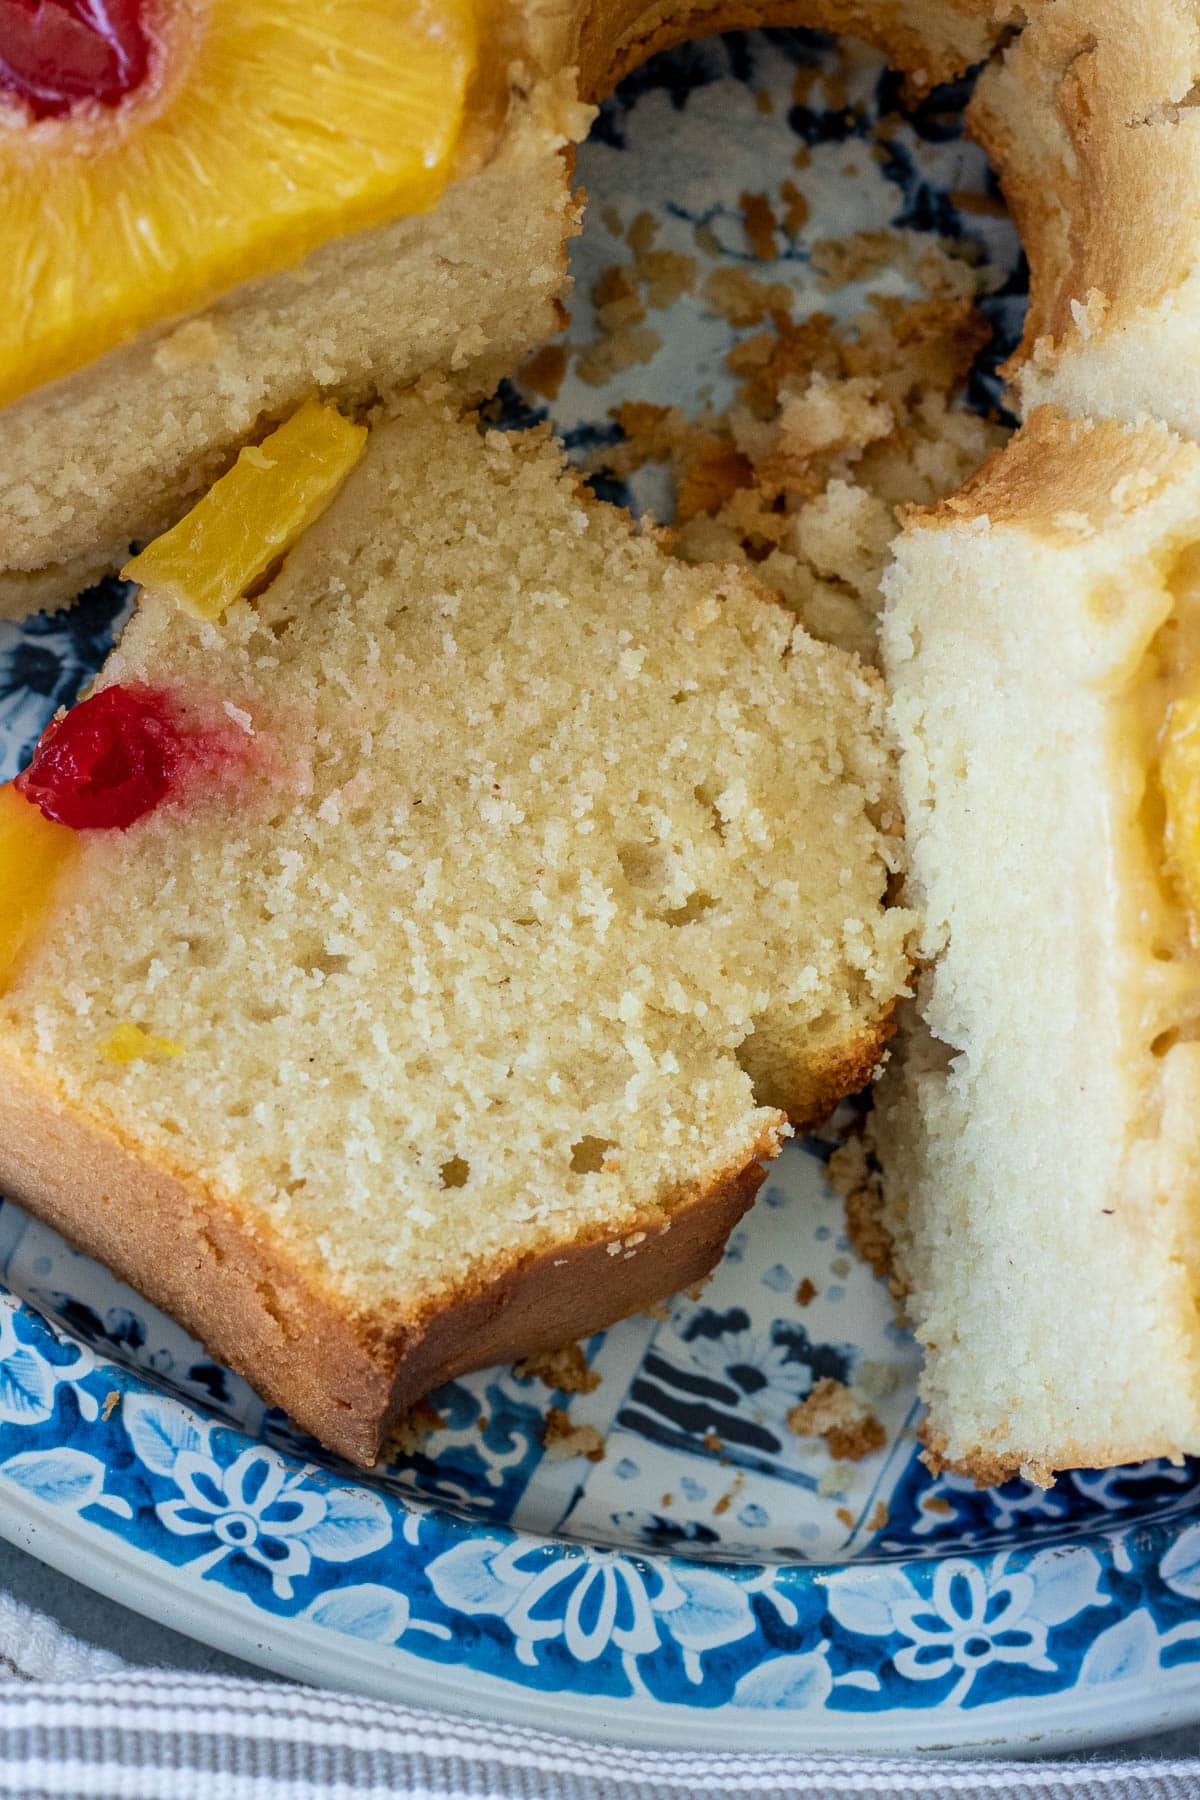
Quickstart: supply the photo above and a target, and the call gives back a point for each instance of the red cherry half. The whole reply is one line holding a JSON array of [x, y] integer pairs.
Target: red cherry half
[[56, 53], [111, 760]]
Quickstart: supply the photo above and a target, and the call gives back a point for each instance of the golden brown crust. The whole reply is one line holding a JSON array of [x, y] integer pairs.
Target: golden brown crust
[[933, 41], [1088, 120], [983, 1468], [1063, 475], [826, 1077], [990, 1468], [345, 1375]]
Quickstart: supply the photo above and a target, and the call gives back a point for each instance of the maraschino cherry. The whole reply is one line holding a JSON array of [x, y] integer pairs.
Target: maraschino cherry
[[111, 760], [54, 54]]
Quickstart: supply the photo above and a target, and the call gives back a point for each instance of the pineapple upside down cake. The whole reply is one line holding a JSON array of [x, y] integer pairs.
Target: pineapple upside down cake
[[221, 217]]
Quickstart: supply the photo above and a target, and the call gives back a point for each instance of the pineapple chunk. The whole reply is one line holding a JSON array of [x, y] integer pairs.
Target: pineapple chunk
[[129, 1043], [261, 131], [33, 854], [253, 515], [1179, 771]]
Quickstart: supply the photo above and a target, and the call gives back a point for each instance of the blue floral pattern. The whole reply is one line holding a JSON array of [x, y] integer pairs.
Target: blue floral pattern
[[713, 1568], [255, 1506]]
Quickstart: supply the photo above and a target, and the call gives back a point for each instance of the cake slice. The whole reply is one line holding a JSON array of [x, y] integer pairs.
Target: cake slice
[[270, 200], [426, 950], [1039, 1128], [214, 206], [1089, 117]]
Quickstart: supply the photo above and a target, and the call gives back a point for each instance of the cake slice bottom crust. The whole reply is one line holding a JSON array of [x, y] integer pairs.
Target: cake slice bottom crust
[[346, 1376]]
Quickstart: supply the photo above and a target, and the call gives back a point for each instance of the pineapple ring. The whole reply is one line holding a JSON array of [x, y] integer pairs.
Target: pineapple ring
[[1179, 773], [34, 852], [264, 128]]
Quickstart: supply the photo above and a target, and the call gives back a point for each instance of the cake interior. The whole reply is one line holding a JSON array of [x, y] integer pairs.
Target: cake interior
[[540, 869]]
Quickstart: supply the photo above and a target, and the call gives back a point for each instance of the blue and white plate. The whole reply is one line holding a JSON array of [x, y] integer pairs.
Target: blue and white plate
[[714, 1580]]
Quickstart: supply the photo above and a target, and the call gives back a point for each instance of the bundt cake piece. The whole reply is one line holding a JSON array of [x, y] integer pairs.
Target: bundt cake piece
[[1040, 1132], [1090, 118], [214, 206], [413, 950]]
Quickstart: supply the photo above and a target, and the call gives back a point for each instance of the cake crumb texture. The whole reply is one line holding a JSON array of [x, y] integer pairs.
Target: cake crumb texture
[[835, 428], [565, 1370], [562, 1440], [558, 876], [1037, 1124], [833, 1411]]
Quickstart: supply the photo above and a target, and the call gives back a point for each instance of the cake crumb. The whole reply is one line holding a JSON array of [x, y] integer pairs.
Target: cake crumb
[[937, 1503], [852, 1176], [846, 1517], [616, 299], [666, 275], [733, 293], [760, 225], [853, 257], [834, 430], [710, 479], [875, 1380], [729, 1496], [609, 355], [565, 1370], [712, 1442], [707, 241], [795, 214], [880, 1517], [111, 1402], [803, 81], [545, 369], [806, 1292], [834, 1412], [409, 1435], [642, 233], [562, 1439]]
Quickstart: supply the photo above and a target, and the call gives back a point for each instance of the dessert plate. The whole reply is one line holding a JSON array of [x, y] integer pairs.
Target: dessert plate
[[713, 1579]]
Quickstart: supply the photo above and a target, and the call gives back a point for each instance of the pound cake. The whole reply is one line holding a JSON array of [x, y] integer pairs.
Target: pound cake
[[414, 948], [262, 200], [1040, 1133], [1089, 117], [213, 207]]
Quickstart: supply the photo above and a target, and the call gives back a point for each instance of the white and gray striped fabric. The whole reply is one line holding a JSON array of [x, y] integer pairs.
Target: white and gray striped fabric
[[155, 1736], [80, 1721]]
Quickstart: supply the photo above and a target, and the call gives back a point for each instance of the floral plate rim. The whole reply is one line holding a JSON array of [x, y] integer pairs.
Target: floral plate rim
[[80, 1434]]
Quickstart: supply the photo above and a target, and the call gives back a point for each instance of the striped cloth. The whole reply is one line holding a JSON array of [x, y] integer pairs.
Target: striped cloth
[[80, 1722], [155, 1736]]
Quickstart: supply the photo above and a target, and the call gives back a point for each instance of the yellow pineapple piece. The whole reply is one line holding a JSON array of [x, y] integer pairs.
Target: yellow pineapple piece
[[263, 129], [34, 851], [254, 514], [129, 1043], [1179, 771]]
